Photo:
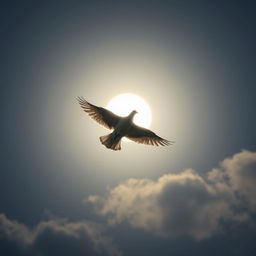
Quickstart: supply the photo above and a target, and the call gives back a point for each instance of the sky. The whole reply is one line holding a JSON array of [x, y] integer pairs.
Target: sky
[[63, 193]]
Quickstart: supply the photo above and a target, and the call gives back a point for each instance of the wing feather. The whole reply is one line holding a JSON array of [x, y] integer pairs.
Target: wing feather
[[99, 114], [145, 136]]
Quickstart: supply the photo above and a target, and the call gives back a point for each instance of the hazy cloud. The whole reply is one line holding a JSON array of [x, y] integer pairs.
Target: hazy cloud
[[239, 172], [55, 237], [185, 203]]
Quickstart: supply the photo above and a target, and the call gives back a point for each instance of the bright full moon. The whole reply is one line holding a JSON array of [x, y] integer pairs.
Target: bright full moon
[[124, 104]]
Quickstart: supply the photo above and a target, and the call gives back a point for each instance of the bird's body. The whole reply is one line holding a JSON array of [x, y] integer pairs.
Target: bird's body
[[125, 124], [113, 140], [123, 127]]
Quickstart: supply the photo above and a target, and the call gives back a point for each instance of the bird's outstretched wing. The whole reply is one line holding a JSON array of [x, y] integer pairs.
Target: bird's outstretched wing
[[145, 136], [99, 114]]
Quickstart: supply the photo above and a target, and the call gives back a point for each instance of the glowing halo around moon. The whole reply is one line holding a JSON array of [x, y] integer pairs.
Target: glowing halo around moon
[[123, 104]]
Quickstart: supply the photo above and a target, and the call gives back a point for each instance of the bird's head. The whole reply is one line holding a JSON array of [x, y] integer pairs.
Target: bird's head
[[133, 113]]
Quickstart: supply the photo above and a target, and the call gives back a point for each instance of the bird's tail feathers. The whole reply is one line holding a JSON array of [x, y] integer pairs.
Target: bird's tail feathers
[[111, 141]]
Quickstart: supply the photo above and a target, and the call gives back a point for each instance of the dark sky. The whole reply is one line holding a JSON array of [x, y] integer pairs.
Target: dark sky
[[63, 193]]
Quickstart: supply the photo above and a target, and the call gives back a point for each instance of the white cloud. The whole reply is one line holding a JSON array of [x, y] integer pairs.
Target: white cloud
[[241, 172], [57, 237], [184, 203]]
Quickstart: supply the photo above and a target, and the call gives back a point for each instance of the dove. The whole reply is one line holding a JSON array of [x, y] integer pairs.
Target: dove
[[122, 127]]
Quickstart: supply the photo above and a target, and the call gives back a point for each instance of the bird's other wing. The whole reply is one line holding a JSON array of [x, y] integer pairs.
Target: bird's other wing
[[99, 114], [145, 136]]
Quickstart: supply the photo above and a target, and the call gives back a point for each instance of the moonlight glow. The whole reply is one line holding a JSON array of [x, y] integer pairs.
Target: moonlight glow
[[123, 104]]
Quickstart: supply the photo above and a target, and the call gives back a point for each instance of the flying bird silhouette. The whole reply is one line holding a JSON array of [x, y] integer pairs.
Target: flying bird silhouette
[[123, 127]]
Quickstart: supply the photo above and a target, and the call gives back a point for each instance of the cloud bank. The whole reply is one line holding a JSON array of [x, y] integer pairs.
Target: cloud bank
[[186, 203], [54, 237], [174, 205]]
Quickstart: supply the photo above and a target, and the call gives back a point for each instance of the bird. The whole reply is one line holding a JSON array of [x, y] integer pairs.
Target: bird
[[122, 127]]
